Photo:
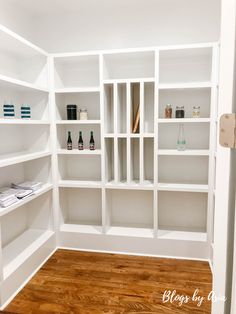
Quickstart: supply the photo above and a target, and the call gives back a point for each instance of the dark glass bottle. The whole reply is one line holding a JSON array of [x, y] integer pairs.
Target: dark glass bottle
[[91, 142], [69, 141], [80, 142]]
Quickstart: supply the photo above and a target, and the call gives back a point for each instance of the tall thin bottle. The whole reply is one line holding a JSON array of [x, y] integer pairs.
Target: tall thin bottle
[[69, 141], [181, 142], [91, 142], [80, 142]]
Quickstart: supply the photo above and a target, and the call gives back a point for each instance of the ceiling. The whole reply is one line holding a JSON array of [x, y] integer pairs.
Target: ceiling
[[74, 25]]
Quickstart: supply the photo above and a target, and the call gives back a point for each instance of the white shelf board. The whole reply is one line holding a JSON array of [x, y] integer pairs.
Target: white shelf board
[[182, 235], [148, 135], [135, 135], [184, 120], [15, 42], [130, 232], [130, 80], [191, 85], [183, 187], [77, 228], [79, 184], [15, 158], [109, 135], [66, 90], [45, 188], [79, 152], [67, 122], [189, 152], [6, 81], [132, 135], [20, 249], [23, 121], [133, 185]]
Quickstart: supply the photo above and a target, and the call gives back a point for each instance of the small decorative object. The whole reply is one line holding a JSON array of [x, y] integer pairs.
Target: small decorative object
[[179, 112], [91, 143], [196, 112], [136, 121], [83, 114], [168, 112], [25, 112], [80, 142], [8, 110], [181, 142], [71, 112], [69, 141]]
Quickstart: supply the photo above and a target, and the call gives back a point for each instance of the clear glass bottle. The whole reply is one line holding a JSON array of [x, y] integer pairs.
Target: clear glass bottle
[[196, 112], [181, 142]]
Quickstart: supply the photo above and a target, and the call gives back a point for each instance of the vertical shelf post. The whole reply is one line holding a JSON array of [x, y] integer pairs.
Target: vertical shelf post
[[102, 130], [156, 114], [116, 161], [212, 143], [128, 128], [141, 130], [54, 158]]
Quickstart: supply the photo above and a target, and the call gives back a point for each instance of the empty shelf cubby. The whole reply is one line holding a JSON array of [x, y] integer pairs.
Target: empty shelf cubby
[[76, 72], [81, 206], [130, 208], [185, 65]]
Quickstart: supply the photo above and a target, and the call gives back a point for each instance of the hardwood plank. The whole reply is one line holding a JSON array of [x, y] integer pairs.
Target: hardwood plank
[[85, 282]]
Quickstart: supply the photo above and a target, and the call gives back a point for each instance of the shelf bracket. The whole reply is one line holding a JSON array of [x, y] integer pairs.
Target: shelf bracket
[[228, 130]]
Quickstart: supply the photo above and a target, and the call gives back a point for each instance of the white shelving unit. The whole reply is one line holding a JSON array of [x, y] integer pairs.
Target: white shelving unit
[[140, 172], [26, 227], [136, 193]]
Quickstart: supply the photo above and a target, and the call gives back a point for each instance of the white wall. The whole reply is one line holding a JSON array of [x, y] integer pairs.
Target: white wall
[[17, 18], [70, 25]]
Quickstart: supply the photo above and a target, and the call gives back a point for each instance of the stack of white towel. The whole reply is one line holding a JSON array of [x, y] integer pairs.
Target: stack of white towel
[[9, 196]]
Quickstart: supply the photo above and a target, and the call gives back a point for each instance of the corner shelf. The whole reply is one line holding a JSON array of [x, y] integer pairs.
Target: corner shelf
[[20, 249], [45, 188], [15, 158]]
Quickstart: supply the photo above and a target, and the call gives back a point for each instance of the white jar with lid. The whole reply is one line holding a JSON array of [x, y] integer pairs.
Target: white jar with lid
[[83, 114]]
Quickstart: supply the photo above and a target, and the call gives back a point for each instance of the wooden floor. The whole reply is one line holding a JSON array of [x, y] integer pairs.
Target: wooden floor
[[87, 283]]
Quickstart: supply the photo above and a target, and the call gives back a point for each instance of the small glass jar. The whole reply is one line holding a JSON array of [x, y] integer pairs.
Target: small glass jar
[[83, 114], [168, 112], [196, 112], [71, 112], [179, 112]]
